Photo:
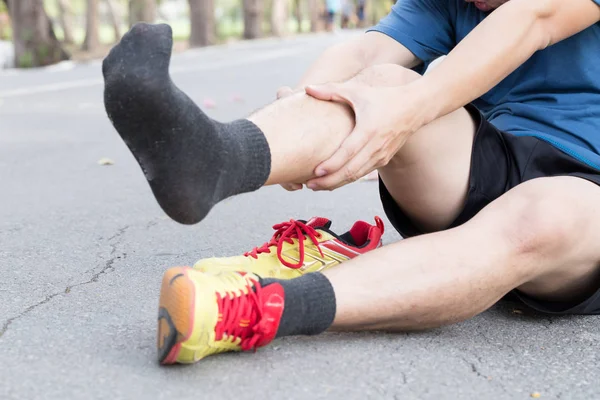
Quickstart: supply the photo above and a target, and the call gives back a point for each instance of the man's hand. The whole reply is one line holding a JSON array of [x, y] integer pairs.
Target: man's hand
[[385, 119]]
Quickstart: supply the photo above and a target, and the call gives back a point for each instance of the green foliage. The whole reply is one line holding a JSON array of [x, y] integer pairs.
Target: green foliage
[[25, 60], [43, 52]]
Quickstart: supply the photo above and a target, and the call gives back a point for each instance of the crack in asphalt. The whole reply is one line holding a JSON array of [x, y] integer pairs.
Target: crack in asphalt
[[25, 312], [108, 267], [475, 369], [490, 342]]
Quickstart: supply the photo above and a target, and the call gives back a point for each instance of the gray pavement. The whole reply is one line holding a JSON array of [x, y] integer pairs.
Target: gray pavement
[[83, 248]]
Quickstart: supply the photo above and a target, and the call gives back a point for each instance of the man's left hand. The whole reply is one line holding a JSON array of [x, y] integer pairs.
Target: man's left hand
[[385, 118]]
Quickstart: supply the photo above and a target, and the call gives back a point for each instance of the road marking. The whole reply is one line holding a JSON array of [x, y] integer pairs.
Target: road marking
[[82, 83], [52, 87]]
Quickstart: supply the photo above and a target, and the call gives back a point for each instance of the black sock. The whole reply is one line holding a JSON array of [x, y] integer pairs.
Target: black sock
[[190, 161], [309, 305]]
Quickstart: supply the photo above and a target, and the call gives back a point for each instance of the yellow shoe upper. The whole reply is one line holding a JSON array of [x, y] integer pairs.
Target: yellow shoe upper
[[204, 314], [297, 248]]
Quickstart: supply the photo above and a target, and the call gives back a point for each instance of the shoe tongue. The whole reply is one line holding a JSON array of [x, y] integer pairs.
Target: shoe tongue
[[319, 222]]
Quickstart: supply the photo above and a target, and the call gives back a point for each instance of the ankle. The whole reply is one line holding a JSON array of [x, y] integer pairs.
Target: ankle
[[309, 305], [250, 155]]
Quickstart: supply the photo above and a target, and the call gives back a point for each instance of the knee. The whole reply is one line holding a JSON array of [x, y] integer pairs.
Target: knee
[[386, 74], [539, 224]]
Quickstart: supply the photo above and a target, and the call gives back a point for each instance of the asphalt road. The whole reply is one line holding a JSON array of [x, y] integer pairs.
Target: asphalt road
[[83, 248]]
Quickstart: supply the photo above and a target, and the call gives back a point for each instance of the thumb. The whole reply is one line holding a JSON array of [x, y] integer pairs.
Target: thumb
[[339, 92]]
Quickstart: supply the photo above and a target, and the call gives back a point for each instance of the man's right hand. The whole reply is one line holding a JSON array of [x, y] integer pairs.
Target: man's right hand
[[282, 92]]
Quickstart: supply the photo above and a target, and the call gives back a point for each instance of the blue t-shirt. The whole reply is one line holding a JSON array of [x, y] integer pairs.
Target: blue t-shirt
[[555, 95]]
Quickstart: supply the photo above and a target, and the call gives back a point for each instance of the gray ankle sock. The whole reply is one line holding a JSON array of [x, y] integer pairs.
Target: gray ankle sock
[[190, 161], [309, 305]]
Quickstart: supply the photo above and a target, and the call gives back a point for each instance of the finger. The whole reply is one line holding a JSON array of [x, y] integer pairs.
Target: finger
[[349, 148], [292, 187], [360, 165], [342, 93], [284, 92]]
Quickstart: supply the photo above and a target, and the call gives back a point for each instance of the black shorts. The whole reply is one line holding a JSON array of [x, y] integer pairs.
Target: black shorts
[[499, 162]]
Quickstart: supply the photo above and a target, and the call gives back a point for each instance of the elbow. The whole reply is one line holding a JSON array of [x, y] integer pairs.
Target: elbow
[[542, 13]]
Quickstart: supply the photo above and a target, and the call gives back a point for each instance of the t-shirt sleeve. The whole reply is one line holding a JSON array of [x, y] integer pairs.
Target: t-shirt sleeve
[[424, 27]]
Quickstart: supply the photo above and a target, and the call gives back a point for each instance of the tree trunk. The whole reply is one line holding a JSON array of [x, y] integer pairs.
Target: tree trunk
[[279, 17], [253, 10], [142, 11], [298, 13], [64, 18], [33, 35], [202, 20], [92, 33], [316, 15], [115, 18]]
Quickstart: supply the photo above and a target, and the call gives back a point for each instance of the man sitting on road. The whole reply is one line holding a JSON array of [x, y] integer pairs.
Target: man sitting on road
[[489, 165]]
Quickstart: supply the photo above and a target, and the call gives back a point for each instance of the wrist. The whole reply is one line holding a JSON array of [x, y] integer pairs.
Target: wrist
[[424, 102]]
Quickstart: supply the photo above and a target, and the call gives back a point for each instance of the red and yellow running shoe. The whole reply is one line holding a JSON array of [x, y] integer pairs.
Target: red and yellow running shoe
[[300, 247], [203, 314]]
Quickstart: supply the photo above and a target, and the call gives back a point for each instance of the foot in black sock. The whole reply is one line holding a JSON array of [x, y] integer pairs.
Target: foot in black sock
[[190, 161]]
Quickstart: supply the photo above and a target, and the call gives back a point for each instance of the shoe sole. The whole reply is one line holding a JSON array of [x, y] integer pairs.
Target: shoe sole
[[187, 316]]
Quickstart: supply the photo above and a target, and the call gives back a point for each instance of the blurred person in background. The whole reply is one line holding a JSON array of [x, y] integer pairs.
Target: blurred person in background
[[332, 9]]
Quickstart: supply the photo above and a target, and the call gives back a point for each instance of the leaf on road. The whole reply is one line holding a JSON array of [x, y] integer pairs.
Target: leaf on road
[[105, 161], [209, 103], [536, 395]]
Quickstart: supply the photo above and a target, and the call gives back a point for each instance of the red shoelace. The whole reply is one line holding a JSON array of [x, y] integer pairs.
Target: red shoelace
[[285, 232], [240, 316]]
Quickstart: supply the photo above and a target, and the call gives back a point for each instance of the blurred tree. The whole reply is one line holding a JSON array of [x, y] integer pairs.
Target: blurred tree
[[253, 10], [115, 18], [92, 32], [202, 19], [64, 18], [298, 13], [33, 34], [316, 15], [279, 17], [142, 11], [378, 9]]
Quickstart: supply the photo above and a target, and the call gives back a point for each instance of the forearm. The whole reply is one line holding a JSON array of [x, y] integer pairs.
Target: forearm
[[495, 48], [343, 61]]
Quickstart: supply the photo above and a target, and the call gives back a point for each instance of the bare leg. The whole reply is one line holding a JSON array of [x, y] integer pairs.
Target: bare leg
[[301, 132], [540, 238], [192, 162], [518, 241], [429, 175]]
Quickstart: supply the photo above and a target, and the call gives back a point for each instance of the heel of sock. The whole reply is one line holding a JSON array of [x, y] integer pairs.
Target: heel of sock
[[251, 154]]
